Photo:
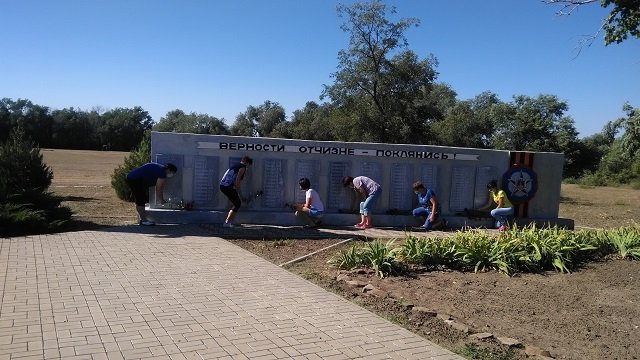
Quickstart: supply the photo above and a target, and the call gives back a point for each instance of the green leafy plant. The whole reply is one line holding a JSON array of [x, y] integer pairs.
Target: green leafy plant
[[348, 259], [380, 257], [283, 242]]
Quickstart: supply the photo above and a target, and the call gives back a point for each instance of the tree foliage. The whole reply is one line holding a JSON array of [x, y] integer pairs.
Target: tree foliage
[[178, 121], [379, 85], [259, 120], [622, 21], [25, 204]]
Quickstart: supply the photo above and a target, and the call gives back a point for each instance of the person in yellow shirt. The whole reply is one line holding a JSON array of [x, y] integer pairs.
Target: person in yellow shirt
[[503, 209]]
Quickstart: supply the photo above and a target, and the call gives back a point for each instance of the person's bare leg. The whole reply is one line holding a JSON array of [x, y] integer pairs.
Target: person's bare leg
[[230, 216], [142, 213]]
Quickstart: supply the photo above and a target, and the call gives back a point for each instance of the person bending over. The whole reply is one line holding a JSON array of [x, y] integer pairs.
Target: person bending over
[[141, 179]]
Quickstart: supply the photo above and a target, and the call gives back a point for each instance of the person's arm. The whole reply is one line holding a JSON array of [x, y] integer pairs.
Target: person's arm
[[434, 206], [489, 204], [500, 202], [159, 190], [307, 203], [239, 177]]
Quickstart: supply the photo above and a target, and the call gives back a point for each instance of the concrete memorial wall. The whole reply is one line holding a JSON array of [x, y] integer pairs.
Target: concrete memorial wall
[[458, 176]]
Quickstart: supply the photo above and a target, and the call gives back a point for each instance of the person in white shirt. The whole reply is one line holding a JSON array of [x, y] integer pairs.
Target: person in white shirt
[[313, 208]]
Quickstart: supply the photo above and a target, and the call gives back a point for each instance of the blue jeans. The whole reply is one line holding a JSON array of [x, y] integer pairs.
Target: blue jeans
[[365, 206], [426, 212], [501, 215]]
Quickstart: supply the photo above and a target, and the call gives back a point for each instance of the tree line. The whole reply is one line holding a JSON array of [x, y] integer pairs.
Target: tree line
[[381, 92]]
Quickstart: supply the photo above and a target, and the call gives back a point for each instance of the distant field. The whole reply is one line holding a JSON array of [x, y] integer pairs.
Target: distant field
[[84, 178]]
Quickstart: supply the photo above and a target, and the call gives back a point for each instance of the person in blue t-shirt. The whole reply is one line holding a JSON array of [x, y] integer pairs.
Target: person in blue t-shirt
[[429, 208], [142, 178], [230, 187]]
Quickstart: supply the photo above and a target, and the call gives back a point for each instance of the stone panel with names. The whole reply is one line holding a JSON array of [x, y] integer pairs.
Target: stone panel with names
[[400, 196], [483, 176], [429, 177], [338, 197], [372, 170], [273, 182], [173, 186], [205, 181], [462, 188], [309, 169]]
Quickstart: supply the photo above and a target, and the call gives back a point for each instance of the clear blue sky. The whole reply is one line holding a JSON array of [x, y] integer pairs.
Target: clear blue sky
[[218, 57]]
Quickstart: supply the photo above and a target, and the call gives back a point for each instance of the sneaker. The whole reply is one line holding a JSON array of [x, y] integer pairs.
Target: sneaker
[[227, 225], [146, 223], [502, 228], [358, 225]]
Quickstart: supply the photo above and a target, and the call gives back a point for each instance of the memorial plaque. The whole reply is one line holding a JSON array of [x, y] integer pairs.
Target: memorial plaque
[[372, 170], [205, 181], [484, 175], [401, 193], [273, 182], [173, 186], [429, 177], [309, 169], [338, 197], [462, 188]]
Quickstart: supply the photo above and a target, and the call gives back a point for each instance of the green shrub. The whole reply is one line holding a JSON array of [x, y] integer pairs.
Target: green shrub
[[26, 206], [625, 241], [380, 257], [136, 158], [348, 259]]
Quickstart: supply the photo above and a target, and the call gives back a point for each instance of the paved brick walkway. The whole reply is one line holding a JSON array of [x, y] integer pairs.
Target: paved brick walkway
[[176, 293]]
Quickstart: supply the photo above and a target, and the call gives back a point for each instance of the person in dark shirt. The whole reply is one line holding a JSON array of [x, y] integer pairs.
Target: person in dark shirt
[[142, 178]]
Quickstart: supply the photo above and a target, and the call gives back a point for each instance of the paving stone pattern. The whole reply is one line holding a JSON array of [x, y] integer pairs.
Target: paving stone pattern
[[175, 292]]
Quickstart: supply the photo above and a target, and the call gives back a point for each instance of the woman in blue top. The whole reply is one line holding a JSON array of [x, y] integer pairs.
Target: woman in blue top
[[428, 207], [230, 187]]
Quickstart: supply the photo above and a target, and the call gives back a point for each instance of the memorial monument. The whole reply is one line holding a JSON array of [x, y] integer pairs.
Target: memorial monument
[[458, 175]]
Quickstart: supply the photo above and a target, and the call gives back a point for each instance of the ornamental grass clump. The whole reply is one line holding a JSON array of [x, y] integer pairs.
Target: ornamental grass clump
[[380, 256], [429, 251], [624, 241], [348, 259]]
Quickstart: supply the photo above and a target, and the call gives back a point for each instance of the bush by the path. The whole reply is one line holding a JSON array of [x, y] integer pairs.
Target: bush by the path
[[26, 207]]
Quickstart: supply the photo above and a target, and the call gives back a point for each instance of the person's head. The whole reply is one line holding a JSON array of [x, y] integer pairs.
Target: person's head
[[246, 160], [170, 169], [347, 181], [304, 183], [492, 185], [417, 187]]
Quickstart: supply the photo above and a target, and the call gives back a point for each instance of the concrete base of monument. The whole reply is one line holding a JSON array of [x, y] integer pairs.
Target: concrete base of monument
[[165, 216]]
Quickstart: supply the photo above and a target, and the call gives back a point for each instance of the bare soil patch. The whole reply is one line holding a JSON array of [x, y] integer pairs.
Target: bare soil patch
[[590, 314]]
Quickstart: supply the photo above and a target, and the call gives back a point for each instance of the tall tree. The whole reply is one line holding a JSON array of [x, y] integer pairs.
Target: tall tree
[[178, 121], [468, 123], [378, 82], [259, 120], [623, 20], [529, 124], [122, 129], [313, 122]]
